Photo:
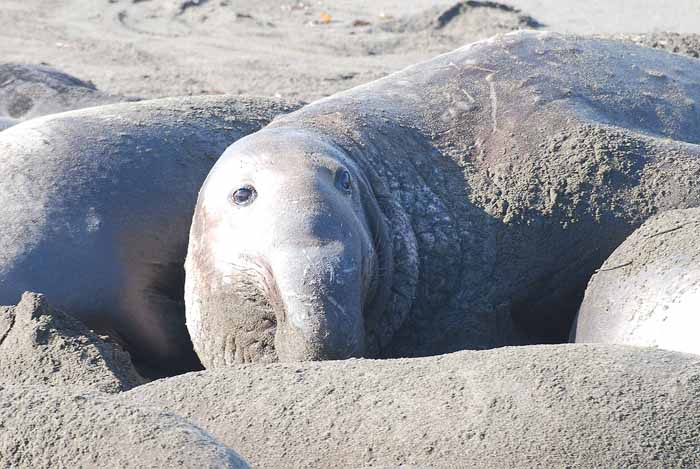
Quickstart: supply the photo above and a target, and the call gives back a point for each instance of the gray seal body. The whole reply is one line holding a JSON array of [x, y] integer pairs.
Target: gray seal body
[[96, 206], [490, 182], [648, 291]]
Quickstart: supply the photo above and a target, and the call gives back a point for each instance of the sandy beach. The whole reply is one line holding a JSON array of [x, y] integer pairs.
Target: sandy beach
[[299, 50]]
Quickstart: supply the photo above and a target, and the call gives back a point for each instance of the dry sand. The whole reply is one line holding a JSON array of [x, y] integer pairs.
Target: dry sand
[[41, 345], [575, 406], [52, 427], [296, 49]]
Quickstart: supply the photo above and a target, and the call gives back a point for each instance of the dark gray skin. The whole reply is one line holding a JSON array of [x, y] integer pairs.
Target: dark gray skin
[[96, 206], [505, 173], [648, 291]]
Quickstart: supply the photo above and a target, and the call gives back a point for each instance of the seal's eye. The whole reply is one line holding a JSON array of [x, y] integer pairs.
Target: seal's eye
[[244, 196], [343, 180]]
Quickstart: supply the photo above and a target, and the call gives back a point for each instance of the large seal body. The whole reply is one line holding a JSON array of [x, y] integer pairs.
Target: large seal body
[[648, 291], [506, 172], [96, 206]]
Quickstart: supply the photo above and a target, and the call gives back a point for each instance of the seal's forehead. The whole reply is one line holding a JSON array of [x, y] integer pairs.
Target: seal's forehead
[[275, 148]]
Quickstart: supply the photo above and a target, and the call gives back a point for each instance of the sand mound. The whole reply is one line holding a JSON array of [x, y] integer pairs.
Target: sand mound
[[540, 406], [439, 28], [42, 426], [466, 19], [28, 91], [40, 345]]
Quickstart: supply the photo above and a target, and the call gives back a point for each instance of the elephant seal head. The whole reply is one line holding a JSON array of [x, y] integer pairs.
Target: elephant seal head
[[289, 253]]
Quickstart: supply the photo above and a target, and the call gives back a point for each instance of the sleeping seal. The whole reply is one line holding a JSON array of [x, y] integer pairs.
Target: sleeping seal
[[463, 202], [96, 206], [648, 291]]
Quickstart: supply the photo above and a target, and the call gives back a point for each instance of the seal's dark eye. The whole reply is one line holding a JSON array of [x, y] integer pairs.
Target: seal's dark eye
[[343, 180], [244, 196]]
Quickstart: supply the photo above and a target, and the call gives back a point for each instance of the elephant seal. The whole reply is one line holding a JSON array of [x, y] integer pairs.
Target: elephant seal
[[463, 202], [648, 291], [96, 206]]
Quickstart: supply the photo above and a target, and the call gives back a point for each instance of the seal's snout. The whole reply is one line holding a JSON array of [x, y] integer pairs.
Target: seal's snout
[[321, 295]]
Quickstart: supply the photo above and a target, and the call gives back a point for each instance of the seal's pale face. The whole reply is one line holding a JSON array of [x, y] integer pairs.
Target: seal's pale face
[[282, 259]]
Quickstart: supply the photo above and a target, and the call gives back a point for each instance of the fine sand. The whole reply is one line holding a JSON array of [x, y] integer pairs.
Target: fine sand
[[294, 49]]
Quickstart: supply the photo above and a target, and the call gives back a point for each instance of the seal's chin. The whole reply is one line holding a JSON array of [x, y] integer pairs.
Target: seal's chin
[[305, 319], [245, 316], [254, 316]]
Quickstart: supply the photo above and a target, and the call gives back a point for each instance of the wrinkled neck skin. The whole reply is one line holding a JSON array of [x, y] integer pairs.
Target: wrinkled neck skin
[[332, 278], [444, 247], [389, 186], [417, 197], [437, 238]]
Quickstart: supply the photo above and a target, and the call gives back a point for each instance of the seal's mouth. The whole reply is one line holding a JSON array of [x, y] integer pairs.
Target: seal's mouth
[[255, 282], [258, 312], [258, 327]]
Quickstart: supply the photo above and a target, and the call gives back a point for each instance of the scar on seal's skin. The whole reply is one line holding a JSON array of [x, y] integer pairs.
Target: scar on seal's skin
[[675, 228], [494, 101], [615, 267]]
